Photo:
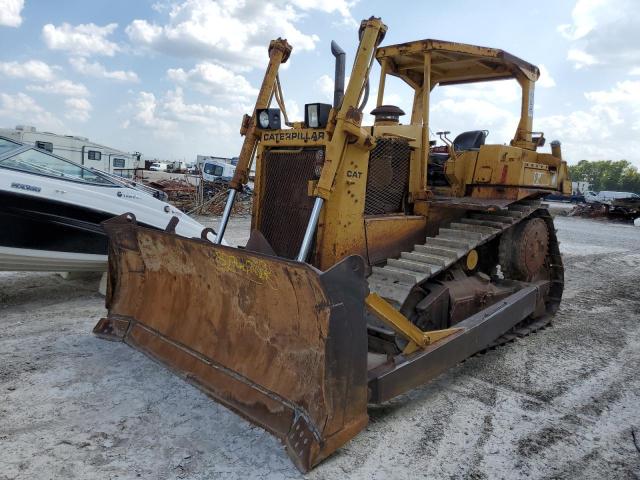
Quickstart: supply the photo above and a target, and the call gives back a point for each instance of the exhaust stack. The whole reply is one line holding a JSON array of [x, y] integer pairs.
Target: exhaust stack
[[341, 56], [556, 151]]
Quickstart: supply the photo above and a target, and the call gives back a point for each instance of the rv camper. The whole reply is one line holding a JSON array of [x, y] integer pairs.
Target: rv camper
[[77, 149]]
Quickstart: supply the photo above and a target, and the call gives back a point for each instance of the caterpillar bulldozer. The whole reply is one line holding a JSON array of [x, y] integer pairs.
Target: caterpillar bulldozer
[[376, 259]]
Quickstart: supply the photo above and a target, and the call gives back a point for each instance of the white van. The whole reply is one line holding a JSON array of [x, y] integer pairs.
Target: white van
[[158, 167], [213, 169]]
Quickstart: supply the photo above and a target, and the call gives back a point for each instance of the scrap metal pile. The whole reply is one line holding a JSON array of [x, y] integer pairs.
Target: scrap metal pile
[[204, 198], [624, 209], [180, 193], [214, 195]]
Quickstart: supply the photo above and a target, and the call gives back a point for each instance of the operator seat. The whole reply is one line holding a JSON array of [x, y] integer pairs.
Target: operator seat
[[471, 140]]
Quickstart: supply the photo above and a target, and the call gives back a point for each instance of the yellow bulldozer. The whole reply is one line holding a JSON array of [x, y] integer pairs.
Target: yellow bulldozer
[[376, 259]]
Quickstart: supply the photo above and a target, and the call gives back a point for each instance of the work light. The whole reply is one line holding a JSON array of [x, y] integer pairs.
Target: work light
[[269, 118], [316, 115]]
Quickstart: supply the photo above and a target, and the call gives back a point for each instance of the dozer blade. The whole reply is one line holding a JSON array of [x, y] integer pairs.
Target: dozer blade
[[279, 342]]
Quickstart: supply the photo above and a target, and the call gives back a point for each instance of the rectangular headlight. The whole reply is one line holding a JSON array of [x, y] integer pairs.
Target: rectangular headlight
[[316, 115], [268, 118]]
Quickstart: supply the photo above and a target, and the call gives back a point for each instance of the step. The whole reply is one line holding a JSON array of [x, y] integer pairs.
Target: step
[[486, 223], [461, 244], [455, 234], [521, 208], [395, 293], [434, 260], [493, 218], [532, 203], [439, 251], [399, 275], [409, 265], [474, 228], [515, 214]]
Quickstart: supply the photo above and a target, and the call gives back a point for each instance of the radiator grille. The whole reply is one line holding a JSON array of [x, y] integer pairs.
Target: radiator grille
[[388, 177], [286, 206]]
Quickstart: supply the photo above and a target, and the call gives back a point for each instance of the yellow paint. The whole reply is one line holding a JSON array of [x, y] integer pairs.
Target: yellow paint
[[472, 259], [400, 324], [254, 269]]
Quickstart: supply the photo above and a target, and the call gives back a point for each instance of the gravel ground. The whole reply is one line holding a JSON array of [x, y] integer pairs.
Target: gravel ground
[[561, 403]]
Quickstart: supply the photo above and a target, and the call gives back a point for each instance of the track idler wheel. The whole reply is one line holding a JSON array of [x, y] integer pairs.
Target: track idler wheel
[[524, 250]]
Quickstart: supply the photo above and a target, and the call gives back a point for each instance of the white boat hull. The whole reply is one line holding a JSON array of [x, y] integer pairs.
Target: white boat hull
[[50, 220], [23, 259]]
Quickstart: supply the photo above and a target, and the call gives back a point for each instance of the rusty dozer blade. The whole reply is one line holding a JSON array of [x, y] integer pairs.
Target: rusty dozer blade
[[277, 341]]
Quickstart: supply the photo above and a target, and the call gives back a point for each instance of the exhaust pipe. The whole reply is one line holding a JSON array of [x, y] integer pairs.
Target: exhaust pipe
[[341, 58], [556, 150]]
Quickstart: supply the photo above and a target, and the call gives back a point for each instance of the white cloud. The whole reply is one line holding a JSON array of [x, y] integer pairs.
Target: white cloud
[[606, 129], [171, 111], [329, 6], [233, 33], [175, 106], [585, 134], [325, 85], [294, 112], [634, 71], [581, 59], [499, 91], [214, 80], [33, 70], [65, 88], [603, 32], [82, 40], [584, 17], [493, 106], [145, 110], [21, 108], [96, 69], [545, 80], [463, 114], [626, 92], [10, 13], [77, 109]]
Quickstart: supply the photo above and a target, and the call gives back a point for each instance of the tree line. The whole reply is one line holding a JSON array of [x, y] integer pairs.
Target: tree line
[[618, 175]]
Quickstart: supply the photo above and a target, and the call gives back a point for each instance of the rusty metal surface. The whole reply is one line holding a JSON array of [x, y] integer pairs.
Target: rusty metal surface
[[279, 342], [470, 294], [404, 373], [471, 203], [388, 235], [497, 193], [524, 252]]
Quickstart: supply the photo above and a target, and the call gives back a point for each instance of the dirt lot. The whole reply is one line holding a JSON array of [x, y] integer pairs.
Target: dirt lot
[[561, 403]]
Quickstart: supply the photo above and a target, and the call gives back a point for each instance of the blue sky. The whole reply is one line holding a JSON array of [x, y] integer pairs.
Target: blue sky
[[172, 78]]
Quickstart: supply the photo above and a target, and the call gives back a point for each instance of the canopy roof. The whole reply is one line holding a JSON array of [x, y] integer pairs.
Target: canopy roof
[[452, 63]]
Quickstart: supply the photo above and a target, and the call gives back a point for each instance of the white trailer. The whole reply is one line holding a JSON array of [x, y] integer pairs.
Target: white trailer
[[579, 188], [77, 149]]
